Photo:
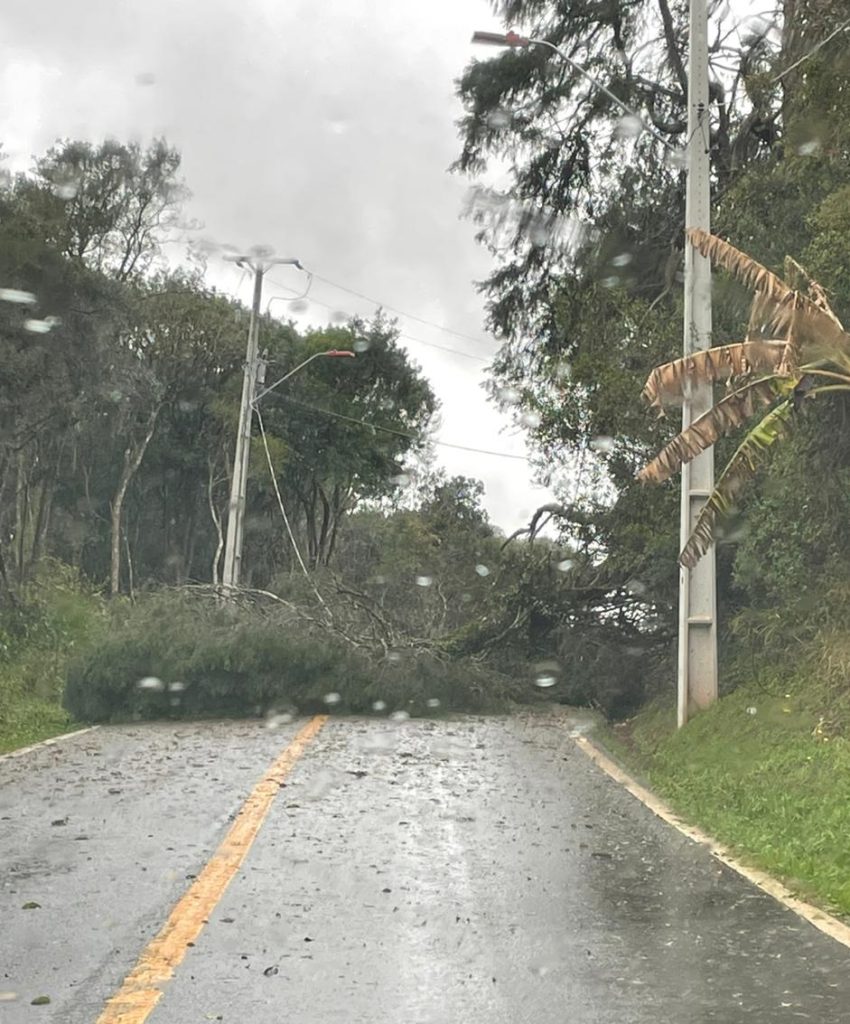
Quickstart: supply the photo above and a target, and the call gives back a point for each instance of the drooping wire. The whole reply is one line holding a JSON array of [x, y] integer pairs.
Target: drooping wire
[[295, 547]]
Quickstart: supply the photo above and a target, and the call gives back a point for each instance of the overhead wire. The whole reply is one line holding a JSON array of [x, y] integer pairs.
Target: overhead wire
[[283, 509], [406, 337], [400, 433]]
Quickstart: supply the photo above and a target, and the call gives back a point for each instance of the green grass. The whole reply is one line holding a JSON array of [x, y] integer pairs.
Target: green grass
[[25, 722], [57, 617], [765, 772]]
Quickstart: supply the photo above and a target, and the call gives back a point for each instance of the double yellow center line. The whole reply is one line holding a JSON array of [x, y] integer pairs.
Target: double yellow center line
[[142, 988]]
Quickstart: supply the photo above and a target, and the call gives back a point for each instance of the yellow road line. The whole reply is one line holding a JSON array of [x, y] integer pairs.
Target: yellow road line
[[828, 924], [141, 990]]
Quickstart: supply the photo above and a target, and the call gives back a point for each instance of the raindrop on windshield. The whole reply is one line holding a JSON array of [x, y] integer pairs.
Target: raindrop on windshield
[[677, 159], [482, 570], [508, 396], [498, 118], [401, 480], [809, 148], [751, 711], [393, 656], [545, 681], [299, 306], [565, 565], [424, 581], [41, 326], [379, 705], [432, 702], [339, 316], [361, 345], [150, 683], [176, 687], [399, 716], [602, 444], [622, 259], [636, 588], [17, 296], [67, 188], [145, 78], [332, 698], [531, 419], [275, 719], [629, 127]]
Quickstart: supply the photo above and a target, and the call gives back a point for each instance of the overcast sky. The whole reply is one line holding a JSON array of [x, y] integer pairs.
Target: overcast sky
[[323, 128]]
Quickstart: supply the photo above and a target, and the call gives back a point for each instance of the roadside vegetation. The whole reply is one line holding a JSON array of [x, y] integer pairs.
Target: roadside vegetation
[[375, 583]]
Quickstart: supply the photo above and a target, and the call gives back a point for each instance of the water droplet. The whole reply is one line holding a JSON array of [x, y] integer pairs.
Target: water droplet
[[401, 480], [175, 702], [145, 78], [602, 444], [261, 252], [752, 711], [677, 159], [362, 345], [394, 656], [531, 419], [610, 282], [508, 396], [331, 698], [379, 581], [432, 702], [809, 148], [565, 565], [16, 295], [482, 570], [629, 127], [275, 719], [466, 597], [299, 306], [379, 705], [424, 581], [545, 681], [498, 118], [339, 316], [636, 588], [622, 259], [42, 326], [150, 683], [67, 188], [399, 716], [563, 369], [176, 687]]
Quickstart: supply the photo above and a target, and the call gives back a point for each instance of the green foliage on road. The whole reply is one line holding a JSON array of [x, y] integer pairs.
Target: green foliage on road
[[180, 655], [766, 771]]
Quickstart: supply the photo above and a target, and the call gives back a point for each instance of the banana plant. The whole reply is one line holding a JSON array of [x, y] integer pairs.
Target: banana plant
[[795, 349]]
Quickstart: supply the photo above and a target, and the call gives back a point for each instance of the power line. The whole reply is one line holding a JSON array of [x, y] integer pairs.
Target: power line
[[811, 52], [400, 433], [406, 337], [395, 309]]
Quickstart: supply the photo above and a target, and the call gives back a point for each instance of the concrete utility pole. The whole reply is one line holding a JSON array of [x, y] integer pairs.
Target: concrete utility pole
[[239, 481], [697, 676]]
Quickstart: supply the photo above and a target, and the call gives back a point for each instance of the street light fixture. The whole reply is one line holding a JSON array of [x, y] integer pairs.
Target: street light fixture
[[515, 41], [697, 654], [331, 353]]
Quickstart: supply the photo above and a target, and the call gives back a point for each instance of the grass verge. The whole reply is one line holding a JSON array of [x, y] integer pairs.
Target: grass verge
[[766, 771], [55, 619]]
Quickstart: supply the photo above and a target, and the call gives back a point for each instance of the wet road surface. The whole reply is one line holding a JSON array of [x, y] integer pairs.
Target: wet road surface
[[454, 872]]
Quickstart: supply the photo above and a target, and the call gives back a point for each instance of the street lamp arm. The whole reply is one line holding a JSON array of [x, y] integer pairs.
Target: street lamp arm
[[514, 40], [300, 366]]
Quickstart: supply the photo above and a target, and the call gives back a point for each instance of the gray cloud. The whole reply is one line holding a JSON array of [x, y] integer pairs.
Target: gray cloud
[[322, 128]]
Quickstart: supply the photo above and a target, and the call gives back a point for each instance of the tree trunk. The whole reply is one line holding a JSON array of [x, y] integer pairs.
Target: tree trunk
[[216, 518], [132, 461]]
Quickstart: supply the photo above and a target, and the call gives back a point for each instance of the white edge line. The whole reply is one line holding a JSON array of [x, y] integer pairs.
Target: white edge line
[[825, 922], [50, 742]]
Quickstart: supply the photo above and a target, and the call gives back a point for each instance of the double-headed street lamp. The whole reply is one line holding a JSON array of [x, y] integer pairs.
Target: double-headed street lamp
[[697, 657], [259, 262]]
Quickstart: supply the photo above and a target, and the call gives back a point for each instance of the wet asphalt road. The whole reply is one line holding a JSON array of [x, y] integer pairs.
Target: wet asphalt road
[[454, 872]]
